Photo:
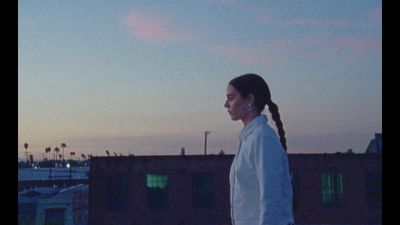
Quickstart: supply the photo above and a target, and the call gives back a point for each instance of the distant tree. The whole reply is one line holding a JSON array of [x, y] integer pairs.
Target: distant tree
[[221, 152], [108, 153], [63, 145], [115, 154], [31, 158], [72, 154], [56, 151], [47, 151], [26, 150], [83, 156]]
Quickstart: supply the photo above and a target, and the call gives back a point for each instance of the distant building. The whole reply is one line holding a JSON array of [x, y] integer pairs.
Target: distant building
[[159, 190], [29, 178], [375, 145], [54, 206], [194, 189], [27, 207]]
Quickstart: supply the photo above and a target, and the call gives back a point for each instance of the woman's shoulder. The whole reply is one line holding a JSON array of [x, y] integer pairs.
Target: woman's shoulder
[[264, 130]]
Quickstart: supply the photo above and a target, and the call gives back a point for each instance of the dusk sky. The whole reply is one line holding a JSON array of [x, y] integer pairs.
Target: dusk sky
[[149, 77]]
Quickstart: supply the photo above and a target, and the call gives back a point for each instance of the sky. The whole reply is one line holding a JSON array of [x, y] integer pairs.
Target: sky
[[150, 77]]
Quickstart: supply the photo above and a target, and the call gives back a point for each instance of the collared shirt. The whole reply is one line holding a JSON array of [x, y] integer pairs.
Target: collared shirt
[[260, 185]]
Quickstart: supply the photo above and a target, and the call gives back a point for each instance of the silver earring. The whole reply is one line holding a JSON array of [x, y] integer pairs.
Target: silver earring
[[249, 107]]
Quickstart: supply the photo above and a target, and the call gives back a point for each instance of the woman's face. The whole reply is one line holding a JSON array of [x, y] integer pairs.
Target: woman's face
[[236, 105]]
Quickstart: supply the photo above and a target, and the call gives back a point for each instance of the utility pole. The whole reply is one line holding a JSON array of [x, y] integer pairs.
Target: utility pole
[[205, 141]]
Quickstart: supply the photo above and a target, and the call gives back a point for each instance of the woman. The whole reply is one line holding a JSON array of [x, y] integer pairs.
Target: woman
[[261, 191]]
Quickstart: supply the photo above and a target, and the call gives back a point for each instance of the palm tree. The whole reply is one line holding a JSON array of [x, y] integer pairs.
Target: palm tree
[[31, 159], [48, 150], [56, 150], [26, 151], [63, 145], [72, 153]]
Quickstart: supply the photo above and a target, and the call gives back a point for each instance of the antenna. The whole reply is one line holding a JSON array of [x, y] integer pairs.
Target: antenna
[[205, 141]]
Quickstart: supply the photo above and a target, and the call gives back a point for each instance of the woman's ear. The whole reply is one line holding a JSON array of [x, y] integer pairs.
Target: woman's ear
[[251, 99]]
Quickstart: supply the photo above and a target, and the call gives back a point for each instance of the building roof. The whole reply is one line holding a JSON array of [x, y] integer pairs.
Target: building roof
[[375, 145], [31, 174], [48, 193], [30, 196]]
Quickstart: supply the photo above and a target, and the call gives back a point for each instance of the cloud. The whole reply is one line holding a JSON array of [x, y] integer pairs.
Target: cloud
[[320, 23], [155, 28], [359, 47], [220, 2], [376, 15], [264, 18], [256, 55], [278, 52]]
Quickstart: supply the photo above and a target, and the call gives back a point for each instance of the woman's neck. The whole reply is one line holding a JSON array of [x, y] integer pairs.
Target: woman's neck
[[249, 117]]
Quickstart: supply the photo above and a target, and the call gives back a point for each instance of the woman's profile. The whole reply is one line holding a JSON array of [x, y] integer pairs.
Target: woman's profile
[[260, 185]]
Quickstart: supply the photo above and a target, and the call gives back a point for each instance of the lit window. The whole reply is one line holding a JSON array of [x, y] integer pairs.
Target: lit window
[[157, 181], [332, 188], [157, 191]]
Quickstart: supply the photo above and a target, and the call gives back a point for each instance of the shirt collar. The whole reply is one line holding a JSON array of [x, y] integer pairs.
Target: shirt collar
[[253, 124]]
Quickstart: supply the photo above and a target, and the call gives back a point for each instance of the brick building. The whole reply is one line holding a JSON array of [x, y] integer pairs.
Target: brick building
[[194, 189]]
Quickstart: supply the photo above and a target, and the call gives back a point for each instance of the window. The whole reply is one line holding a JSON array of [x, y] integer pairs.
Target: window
[[332, 188], [296, 190], [203, 188], [373, 184], [117, 191], [157, 191], [54, 216]]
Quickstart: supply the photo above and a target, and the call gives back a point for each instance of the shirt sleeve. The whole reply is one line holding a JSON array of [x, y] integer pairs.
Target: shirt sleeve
[[269, 170]]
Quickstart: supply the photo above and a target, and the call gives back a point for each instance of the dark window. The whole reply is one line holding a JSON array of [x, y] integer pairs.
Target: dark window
[[54, 216], [203, 188], [332, 188], [296, 190], [157, 191], [117, 191], [373, 183]]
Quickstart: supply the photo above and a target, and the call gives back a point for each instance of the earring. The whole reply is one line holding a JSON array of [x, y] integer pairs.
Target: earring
[[249, 107]]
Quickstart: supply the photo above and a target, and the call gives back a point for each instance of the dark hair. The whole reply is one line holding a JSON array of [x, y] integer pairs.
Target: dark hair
[[250, 83]]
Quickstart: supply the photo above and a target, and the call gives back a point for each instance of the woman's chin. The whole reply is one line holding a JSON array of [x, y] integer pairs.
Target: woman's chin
[[234, 118]]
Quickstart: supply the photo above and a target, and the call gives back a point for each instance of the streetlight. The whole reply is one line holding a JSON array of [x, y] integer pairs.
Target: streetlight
[[205, 141]]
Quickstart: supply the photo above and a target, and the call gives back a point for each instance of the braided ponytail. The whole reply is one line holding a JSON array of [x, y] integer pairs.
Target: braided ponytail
[[273, 108]]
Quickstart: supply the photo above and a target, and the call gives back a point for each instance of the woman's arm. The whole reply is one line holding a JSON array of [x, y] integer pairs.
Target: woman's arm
[[269, 169]]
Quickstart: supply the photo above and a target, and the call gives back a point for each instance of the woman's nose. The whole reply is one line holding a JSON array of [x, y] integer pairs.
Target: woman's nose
[[226, 104]]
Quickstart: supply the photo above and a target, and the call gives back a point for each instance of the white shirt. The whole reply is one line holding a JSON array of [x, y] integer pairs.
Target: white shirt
[[261, 190]]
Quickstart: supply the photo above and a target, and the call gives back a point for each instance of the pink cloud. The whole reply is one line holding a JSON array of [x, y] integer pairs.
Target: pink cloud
[[220, 1], [359, 47], [376, 15], [250, 56], [279, 52], [264, 18], [321, 23], [154, 28]]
